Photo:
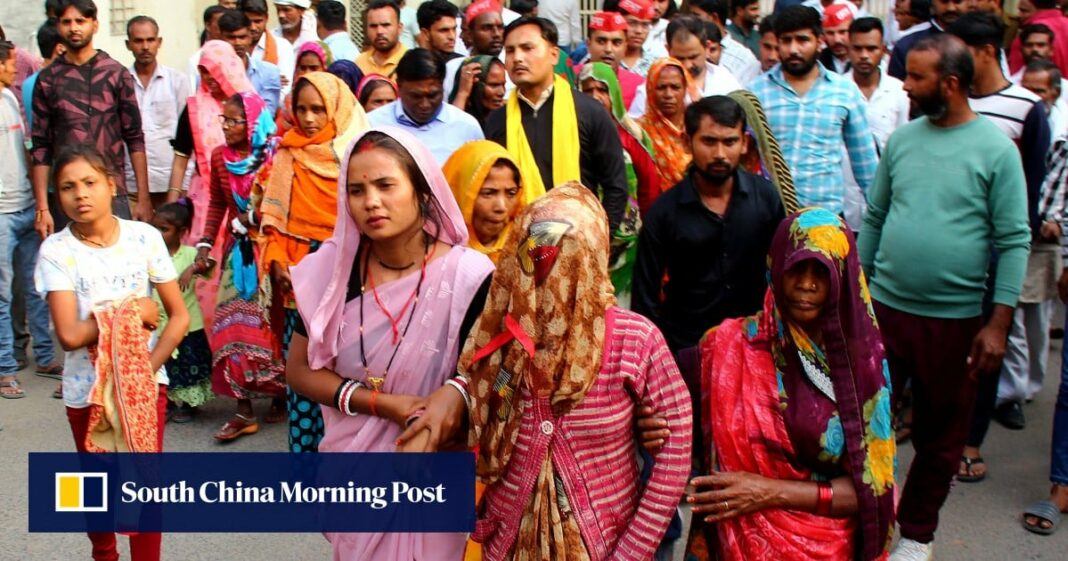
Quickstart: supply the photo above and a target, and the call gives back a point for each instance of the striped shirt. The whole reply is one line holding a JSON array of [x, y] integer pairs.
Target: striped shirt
[[812, 129], [1052, 205], [1020, 114], [594, 451]]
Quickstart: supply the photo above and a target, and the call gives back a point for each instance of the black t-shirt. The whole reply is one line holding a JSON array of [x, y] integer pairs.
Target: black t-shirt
[[183, 137]]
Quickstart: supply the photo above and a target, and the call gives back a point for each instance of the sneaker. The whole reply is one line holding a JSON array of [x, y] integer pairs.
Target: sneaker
[[910, 550]]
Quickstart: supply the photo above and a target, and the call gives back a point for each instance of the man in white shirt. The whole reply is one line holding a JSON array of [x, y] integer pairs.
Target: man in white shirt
[[884, 96], [161, 96], [266, 46], [295, 23], [333, 30], [565, 15], [1044, 79], [735, 56], [656, 42]]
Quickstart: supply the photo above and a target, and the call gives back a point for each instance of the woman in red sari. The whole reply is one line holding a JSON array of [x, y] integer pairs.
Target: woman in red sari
[[797, 410]]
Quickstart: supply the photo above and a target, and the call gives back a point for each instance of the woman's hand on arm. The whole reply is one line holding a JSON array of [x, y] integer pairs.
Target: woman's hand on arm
[[725, 495], [73, 333], [652, 429], [177, 322], [444, 416]]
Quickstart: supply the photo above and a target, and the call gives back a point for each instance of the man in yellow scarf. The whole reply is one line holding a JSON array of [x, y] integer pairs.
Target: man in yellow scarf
[[555, 134]]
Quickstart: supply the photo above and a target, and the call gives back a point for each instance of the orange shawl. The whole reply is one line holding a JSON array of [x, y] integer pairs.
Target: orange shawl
[[672, 153], [270, 49], [123, 416]]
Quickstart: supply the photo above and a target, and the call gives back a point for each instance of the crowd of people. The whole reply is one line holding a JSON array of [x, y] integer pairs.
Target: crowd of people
[[683, 278]]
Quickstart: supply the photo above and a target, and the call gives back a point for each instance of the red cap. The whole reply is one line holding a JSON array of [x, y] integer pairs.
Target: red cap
[[642, 9], [838, 14], [608, 21], [482, 7]]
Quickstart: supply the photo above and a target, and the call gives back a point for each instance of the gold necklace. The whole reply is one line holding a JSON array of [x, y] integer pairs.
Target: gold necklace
[[82, 237]]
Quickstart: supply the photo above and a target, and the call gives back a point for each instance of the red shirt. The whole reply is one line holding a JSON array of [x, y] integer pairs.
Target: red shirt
[[1056, 21]]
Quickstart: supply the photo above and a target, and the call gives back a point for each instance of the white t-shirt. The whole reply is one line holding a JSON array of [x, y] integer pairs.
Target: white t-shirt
[[97, 276]]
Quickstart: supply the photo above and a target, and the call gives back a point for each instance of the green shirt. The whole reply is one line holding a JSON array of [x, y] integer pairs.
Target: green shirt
[[182, 259], [751, 41], [942, 198]]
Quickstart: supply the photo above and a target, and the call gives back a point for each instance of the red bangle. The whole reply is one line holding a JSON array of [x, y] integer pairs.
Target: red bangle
[[374, 397], [826, 496]]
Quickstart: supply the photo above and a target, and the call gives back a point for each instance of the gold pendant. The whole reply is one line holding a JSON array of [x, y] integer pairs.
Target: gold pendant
[[376, 382]]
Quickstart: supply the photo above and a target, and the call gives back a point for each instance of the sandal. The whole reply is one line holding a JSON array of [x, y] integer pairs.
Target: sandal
[[969, 476], [53, 371], [183, 414], [239, 426], [1044, 511], [58, 393], [14, 390], [277, 413]]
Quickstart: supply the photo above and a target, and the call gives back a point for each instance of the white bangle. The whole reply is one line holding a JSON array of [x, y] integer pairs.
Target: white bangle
[[204, 245], [346, 398], [463, 392], [251, 217]]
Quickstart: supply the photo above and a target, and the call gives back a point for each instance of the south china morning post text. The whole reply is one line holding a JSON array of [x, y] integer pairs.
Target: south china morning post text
[[252, 492]]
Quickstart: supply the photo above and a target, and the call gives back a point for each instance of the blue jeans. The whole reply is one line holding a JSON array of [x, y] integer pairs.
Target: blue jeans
[[1058, 468], [19, 244]]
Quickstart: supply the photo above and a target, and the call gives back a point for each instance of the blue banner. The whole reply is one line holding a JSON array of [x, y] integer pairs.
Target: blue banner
[[256, 492]]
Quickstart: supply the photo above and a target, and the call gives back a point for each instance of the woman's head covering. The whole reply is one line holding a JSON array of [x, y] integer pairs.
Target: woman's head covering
[[672, 153], [548, 299], [326, 272], [225, 67], [466, 171], [474, 101], [371, 79], [767, 160], [319, 49], [852, 354], [262, 143], [603, 73], [348, 72]]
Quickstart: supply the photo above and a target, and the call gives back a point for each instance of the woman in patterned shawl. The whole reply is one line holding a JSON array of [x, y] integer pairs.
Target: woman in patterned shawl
[[802, 454]]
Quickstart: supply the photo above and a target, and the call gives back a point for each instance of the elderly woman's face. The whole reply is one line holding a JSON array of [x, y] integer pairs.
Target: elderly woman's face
[[495, 203], [805, 288]]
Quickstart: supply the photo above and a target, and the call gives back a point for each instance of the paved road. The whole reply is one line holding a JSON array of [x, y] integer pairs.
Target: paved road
[[980, 521]]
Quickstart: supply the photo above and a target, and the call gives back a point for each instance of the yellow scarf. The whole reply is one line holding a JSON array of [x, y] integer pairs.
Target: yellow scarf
[[565, 142], [466, 171]]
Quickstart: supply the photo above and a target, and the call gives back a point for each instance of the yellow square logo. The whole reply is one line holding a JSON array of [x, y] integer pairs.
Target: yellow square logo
[[82, 492]]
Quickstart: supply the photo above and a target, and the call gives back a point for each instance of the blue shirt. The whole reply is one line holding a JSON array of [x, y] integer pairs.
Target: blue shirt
[[341, 47], [266, 81], [811, 131], [27, 99], [443, 135]]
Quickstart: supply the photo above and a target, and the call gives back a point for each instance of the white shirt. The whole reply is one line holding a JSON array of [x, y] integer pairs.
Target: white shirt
[[308, 25], [411, 27], [138, 260], [287, 59], [737, 58], [718, 81], [656, 42], [161, 103], [565, 14], [15, 191], [341, 46]]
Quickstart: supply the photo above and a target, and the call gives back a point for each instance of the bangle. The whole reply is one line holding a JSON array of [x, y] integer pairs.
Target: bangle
[[374, 398], [346, 398], [458, 386], [824, 499], [41, 211], [174, 190], [251, 216], [340, 390], [204, 245]]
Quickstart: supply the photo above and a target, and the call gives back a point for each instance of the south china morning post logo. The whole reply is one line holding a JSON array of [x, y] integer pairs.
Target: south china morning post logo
[[81, 492]]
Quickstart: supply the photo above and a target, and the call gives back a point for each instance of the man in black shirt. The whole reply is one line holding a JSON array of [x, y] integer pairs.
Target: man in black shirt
[[709, 234], [530, 54]]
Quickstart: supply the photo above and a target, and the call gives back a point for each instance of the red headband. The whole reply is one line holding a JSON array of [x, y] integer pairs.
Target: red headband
[[642, 9], [608, 21], [482, 7]]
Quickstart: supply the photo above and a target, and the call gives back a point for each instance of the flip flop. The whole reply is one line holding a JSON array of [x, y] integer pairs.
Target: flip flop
[[53, 371], [236, 428], [1043, 510], [969, 463], [13, 384]]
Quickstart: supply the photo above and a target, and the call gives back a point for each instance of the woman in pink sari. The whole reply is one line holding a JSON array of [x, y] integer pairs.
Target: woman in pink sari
[[398, 252], [796, 407]]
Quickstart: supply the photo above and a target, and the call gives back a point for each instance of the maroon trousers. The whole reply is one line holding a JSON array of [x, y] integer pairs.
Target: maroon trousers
[[932, 353], [143, 547]]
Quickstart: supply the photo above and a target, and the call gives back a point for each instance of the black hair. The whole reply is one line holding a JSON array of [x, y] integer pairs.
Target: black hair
[[1044, 65], [767, 24], [1033, 28], [1044, 4], [608, 6], [430, 12], [178, 213], [720, 108], [736, 4], [140, 19], [429, 210], [866, 25], [258, 7], [979, 29], [547, 28], [52, 6], [920, 9], [686, 26], [506, 163], [233, 20], [420, 64], [81, 151], [7, 49], [302, 83], [369, 89], [798, 18], [716, 8], [331, 14], [954, 58], [527, 7], [87, 8], [211, 11], [672, 9], [379, 4], [48, 38], [474, 107], [237, 100], [713, 32]]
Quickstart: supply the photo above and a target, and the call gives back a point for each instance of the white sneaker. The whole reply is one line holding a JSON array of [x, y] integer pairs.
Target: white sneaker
[[909, 550]]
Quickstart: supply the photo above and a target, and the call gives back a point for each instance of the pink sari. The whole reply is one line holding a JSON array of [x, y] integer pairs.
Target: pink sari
[[425, 358], [226, 68]]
